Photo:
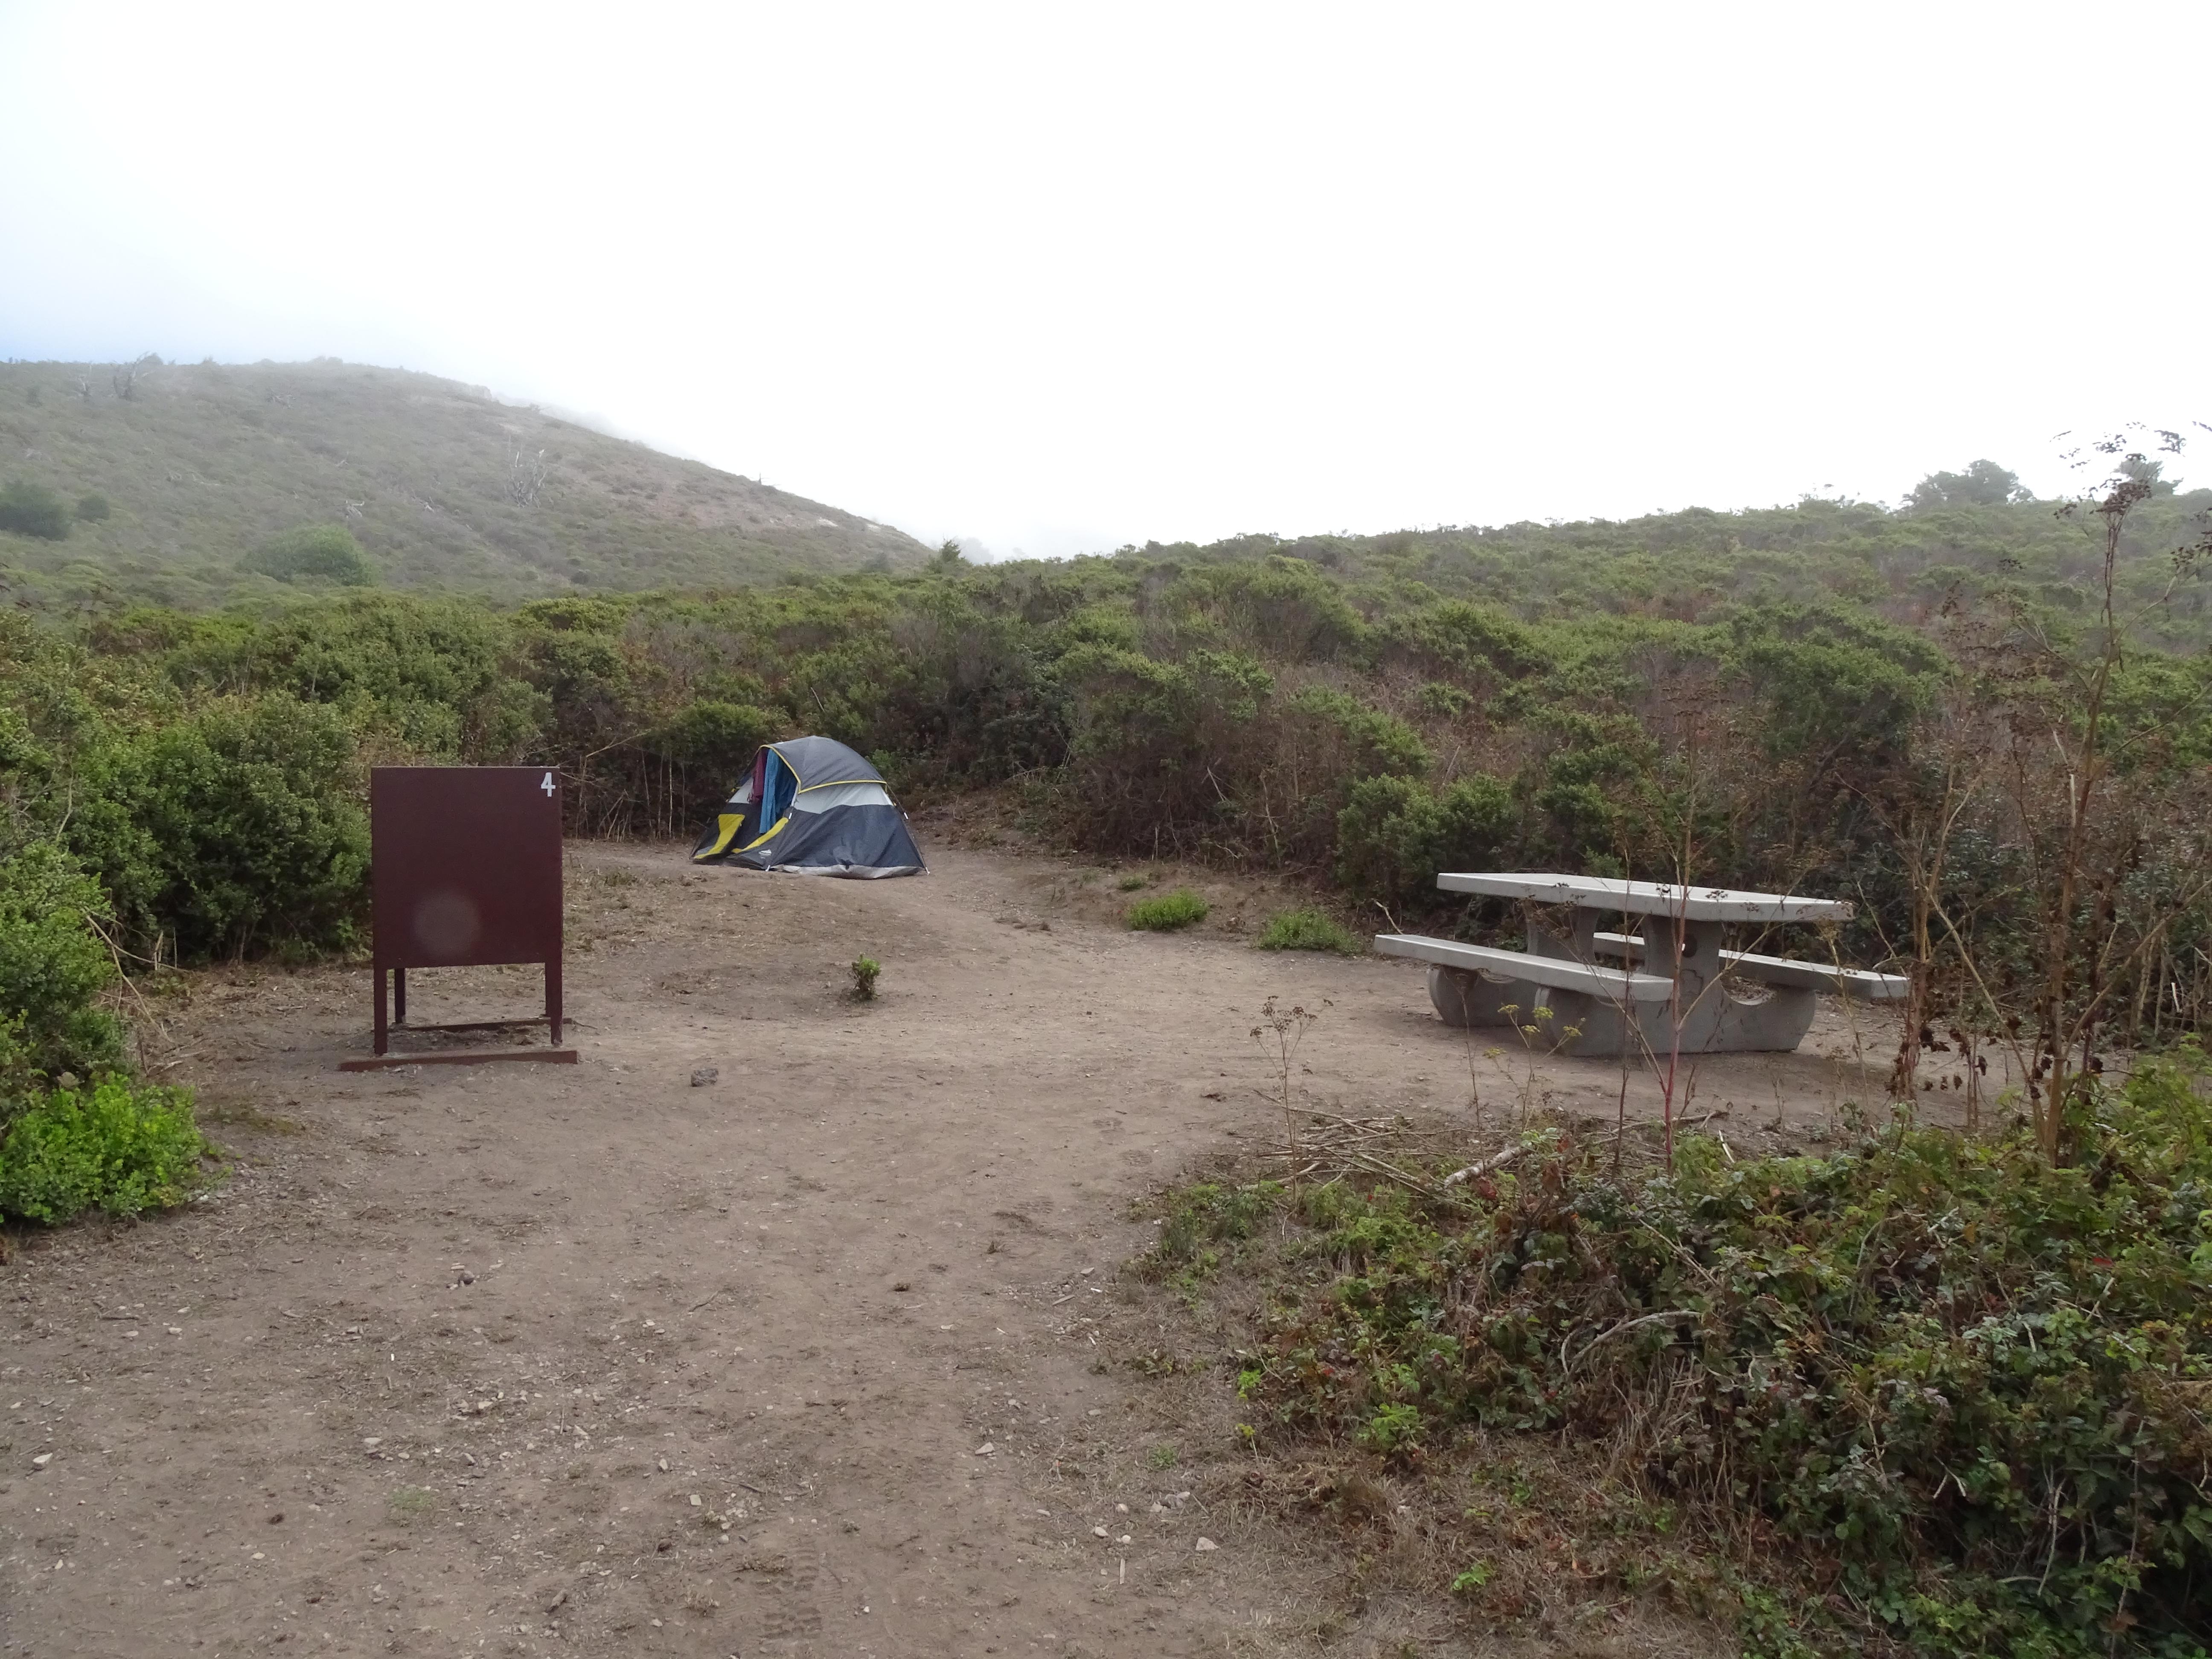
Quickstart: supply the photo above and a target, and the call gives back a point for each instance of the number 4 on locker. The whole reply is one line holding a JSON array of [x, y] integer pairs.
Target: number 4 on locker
[[547, 786]]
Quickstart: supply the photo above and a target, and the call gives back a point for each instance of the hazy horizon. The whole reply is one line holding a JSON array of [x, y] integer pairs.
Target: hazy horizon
[[1055, 283]]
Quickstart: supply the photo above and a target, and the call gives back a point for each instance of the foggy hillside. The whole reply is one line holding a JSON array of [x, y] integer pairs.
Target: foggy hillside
[[443, 486]]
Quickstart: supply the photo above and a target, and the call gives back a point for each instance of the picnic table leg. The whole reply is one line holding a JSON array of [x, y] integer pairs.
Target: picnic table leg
[[1577, 944], [1713, 1021], [1692, 1017], [1589, 1025], [1464, 998], [1775, 1025]]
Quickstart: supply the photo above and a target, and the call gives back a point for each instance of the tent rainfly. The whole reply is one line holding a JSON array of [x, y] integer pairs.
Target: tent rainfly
[[813, 806]]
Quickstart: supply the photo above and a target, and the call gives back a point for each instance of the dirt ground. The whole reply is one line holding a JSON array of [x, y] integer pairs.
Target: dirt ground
[[810, 1359]]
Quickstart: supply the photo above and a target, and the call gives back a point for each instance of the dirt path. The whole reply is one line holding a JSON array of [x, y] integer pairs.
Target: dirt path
[[533, 1359]]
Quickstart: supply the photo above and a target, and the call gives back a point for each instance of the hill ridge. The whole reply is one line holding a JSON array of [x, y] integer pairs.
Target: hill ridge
[[446, 486]]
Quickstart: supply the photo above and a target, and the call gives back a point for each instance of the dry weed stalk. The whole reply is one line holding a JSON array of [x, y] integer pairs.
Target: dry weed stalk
[[1279, 1033]]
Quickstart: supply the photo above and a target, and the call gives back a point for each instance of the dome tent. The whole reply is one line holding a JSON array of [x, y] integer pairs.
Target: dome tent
[[813, 806]]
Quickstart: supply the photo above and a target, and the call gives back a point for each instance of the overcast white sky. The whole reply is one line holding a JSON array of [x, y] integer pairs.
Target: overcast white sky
[[1059, 278]]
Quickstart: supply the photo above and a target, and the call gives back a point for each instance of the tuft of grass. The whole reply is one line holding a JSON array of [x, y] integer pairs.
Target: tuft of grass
[[115, 1147], [1309, 929], [864, 971], [412, 1504], [1162, 1457], [245, 1115], [1131, 883], [1168, 913]]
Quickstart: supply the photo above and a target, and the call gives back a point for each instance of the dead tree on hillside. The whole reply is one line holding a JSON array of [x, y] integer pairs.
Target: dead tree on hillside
[[525, 476]]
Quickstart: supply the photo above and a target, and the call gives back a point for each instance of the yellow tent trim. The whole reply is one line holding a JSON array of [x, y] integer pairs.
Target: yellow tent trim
[[757, 840], [727, 823]]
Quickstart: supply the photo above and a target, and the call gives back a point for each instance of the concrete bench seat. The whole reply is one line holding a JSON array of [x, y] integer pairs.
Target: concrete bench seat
[[1556, 973], [1857, 983]]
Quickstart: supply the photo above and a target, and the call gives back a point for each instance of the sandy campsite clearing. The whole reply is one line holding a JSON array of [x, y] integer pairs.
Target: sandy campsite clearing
[[825, 1356]]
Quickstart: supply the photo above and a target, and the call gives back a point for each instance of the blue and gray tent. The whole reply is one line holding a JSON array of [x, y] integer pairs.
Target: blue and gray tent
[[813, 806]]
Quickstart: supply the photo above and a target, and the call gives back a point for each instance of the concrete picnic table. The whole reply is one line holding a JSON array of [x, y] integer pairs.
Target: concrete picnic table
[[1595, 988]]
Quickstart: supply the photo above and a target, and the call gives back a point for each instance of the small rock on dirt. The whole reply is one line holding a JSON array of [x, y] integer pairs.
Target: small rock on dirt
[[42, 1460], [1208, 1544], [703, 1076]]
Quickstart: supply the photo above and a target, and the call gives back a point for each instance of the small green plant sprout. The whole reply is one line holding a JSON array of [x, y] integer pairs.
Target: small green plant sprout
[[1393, 1427], [1168, 913], [864, 971], [1309, 929], [1472, 1581], [1132, 883], [1161, 1456]]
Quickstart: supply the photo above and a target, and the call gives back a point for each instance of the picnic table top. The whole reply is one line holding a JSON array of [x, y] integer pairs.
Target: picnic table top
[[1606, 894]]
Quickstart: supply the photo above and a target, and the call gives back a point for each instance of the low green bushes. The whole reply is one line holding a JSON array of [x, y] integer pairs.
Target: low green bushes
[[114, 1146], [1961, 1390], [1395, 833], [1309, 929], [1168, 914], [322, 552], [31, 509], [236, 828], [106, 1144], [52, 964]]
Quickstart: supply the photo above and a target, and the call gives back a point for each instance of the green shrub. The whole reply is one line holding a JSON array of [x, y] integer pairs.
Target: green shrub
[[1167, 913], [52, 964], [91, 509], [31, 509], [238, 828], [1960, 1384], [1374, 744], [115, 1147], [1394, 835], [865, 971], [1309, 929], [321, 552]]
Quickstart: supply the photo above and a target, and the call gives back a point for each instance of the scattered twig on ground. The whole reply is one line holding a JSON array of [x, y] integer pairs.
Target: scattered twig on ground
[[1482, 1167], [1669, 1315]]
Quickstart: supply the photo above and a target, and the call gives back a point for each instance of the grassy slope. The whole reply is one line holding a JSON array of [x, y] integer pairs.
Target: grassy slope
[[203, 462]]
